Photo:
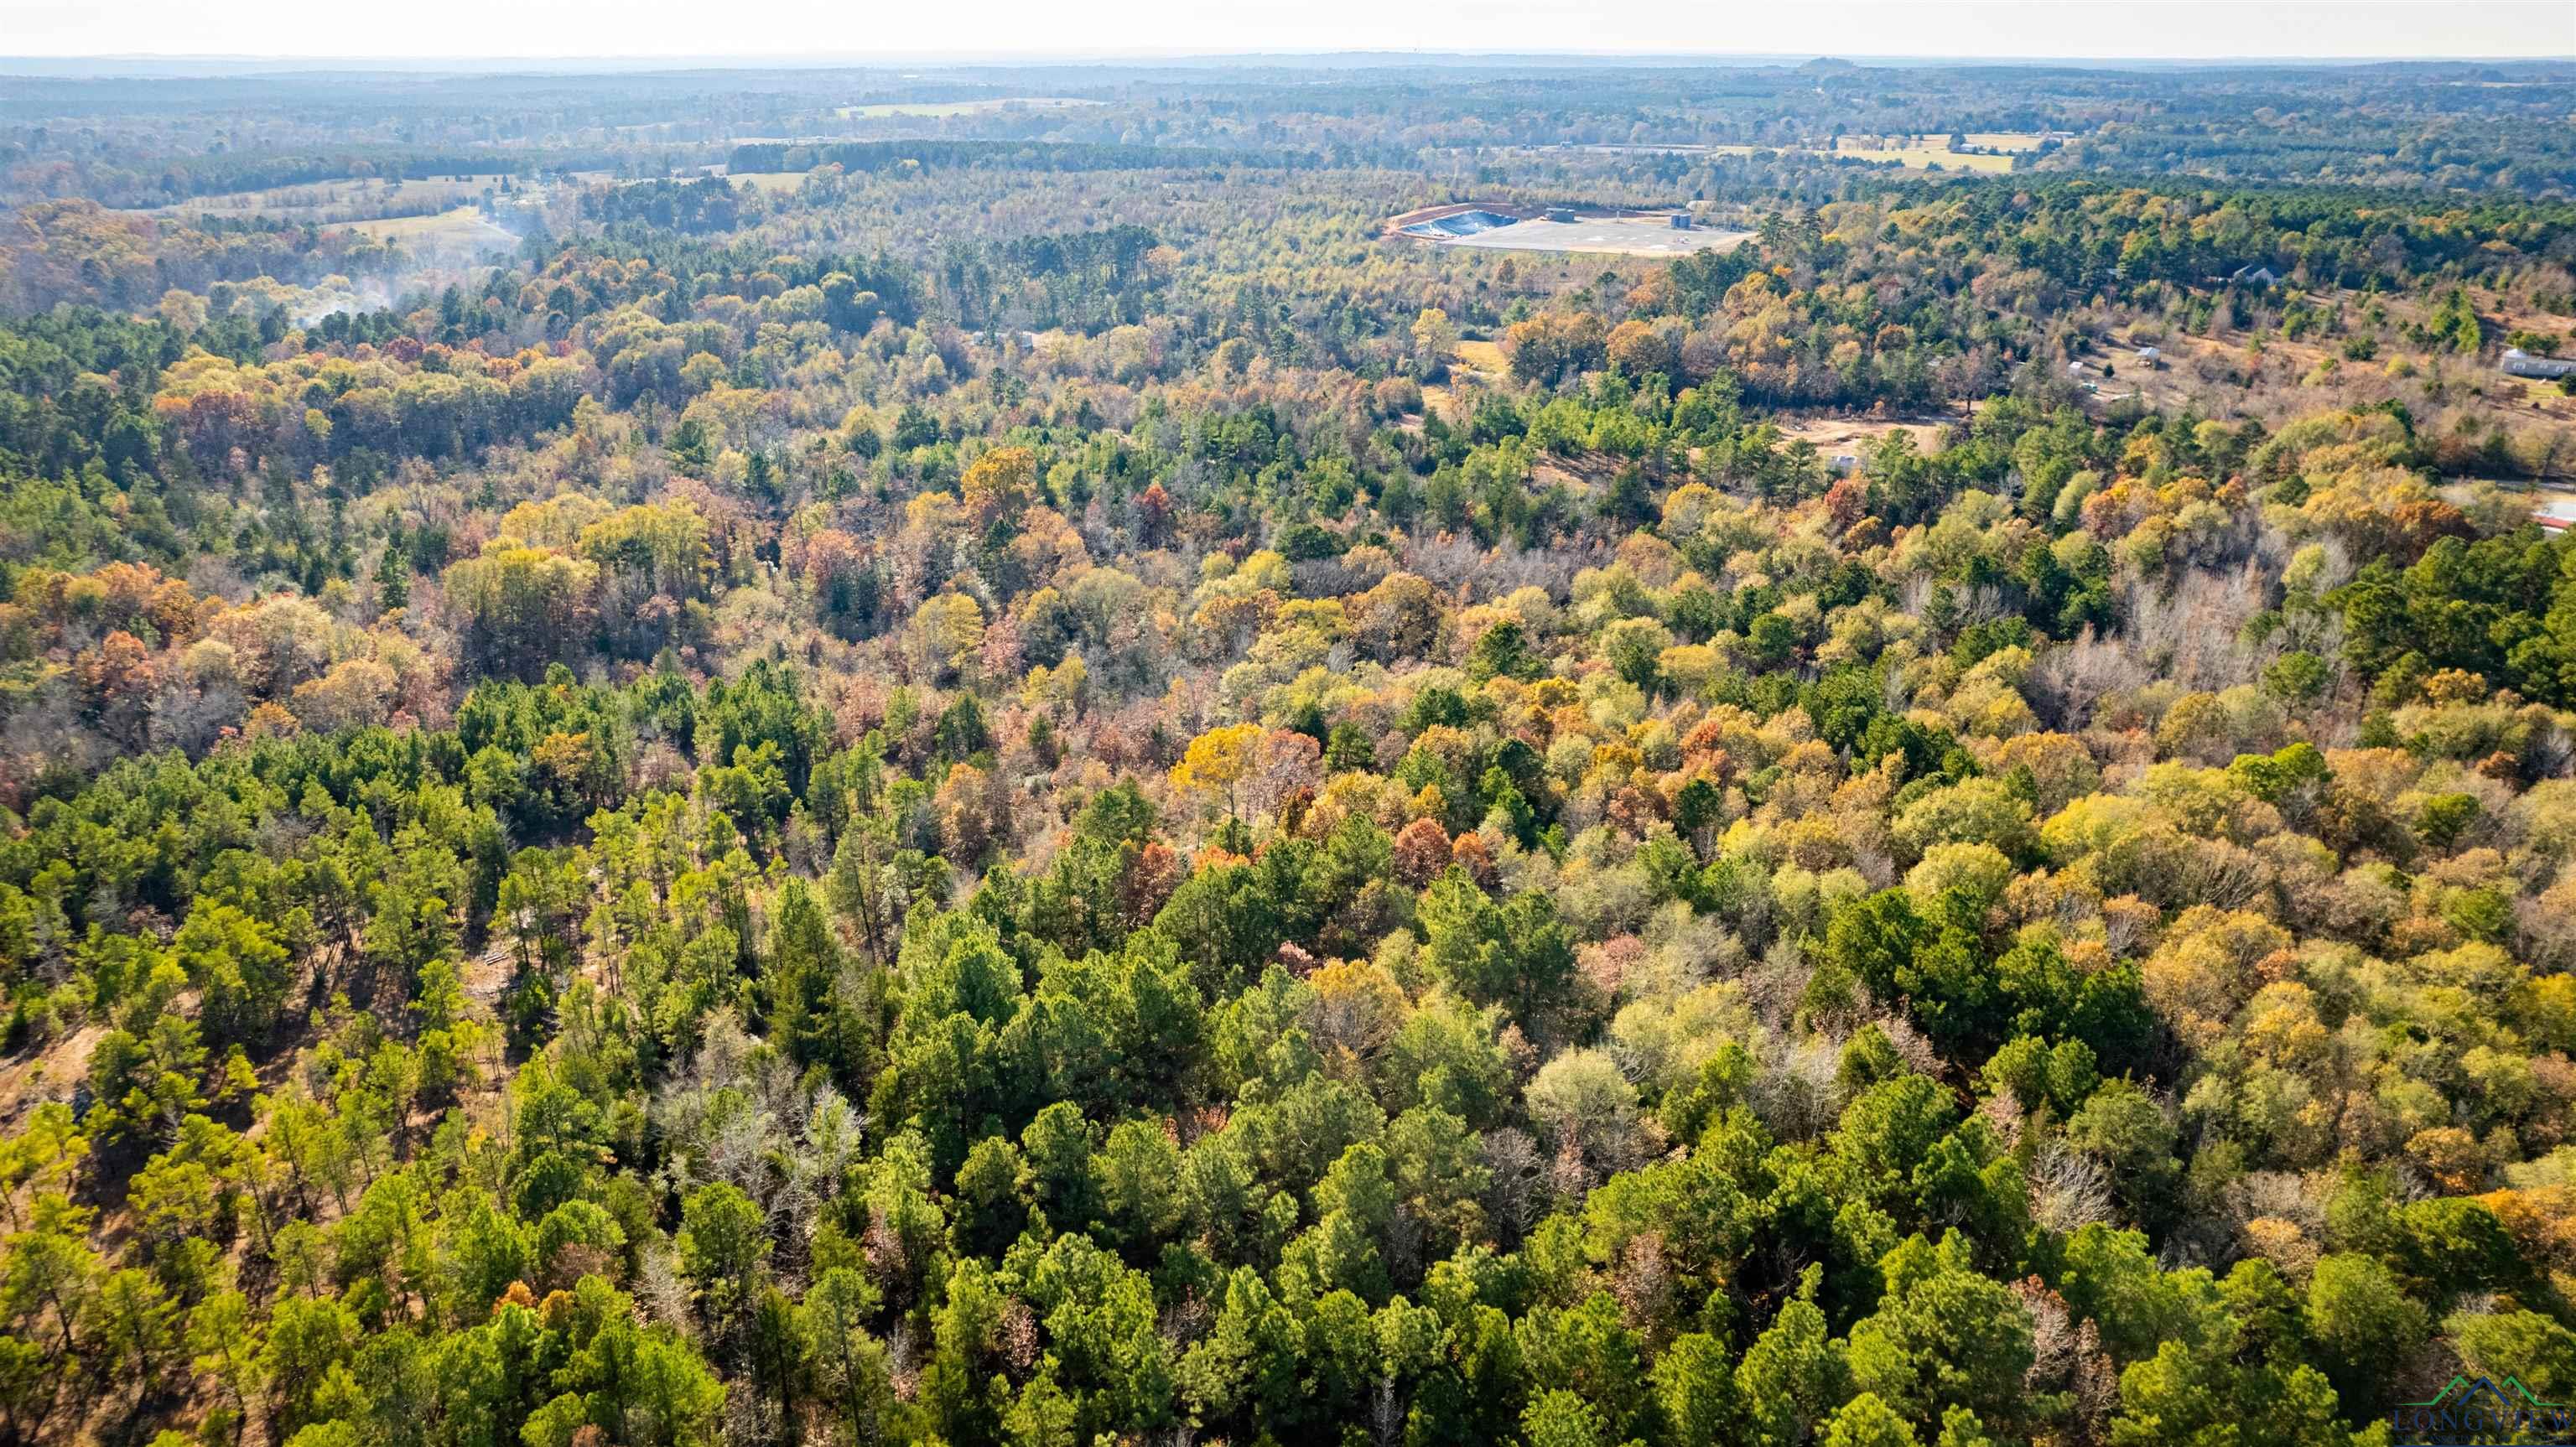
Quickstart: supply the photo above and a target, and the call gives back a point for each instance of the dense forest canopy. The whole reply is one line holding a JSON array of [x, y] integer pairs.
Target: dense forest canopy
[[832, 757]]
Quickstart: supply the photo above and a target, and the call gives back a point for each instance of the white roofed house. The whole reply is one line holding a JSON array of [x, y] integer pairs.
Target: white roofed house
[[2519, 363]]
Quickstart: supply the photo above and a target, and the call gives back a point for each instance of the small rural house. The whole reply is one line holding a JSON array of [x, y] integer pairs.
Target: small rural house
[[2519, 363]]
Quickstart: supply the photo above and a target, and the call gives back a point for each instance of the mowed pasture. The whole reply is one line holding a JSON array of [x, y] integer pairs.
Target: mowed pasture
[[1918, 153], [2006, 140]]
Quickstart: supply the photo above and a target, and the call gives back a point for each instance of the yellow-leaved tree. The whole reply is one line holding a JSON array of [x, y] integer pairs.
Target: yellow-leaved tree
[[1217, 761]]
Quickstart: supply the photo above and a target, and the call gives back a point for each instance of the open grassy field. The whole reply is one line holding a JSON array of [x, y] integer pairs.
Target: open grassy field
[[2007, 140], [770, 180], [943, 109], [1613, 235], [1472, 364], [461, 229], [1919, 153], [1852, 436]]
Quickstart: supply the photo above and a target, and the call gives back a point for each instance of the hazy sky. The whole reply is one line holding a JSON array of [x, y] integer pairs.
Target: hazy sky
[[861, 29]]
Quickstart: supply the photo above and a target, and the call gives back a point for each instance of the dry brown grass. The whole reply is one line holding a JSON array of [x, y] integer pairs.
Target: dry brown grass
[[1830, 435], [1919, 153], [462, 229]]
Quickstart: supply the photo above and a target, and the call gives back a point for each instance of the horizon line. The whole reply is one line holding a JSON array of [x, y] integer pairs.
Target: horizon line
[[1114, 57]]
